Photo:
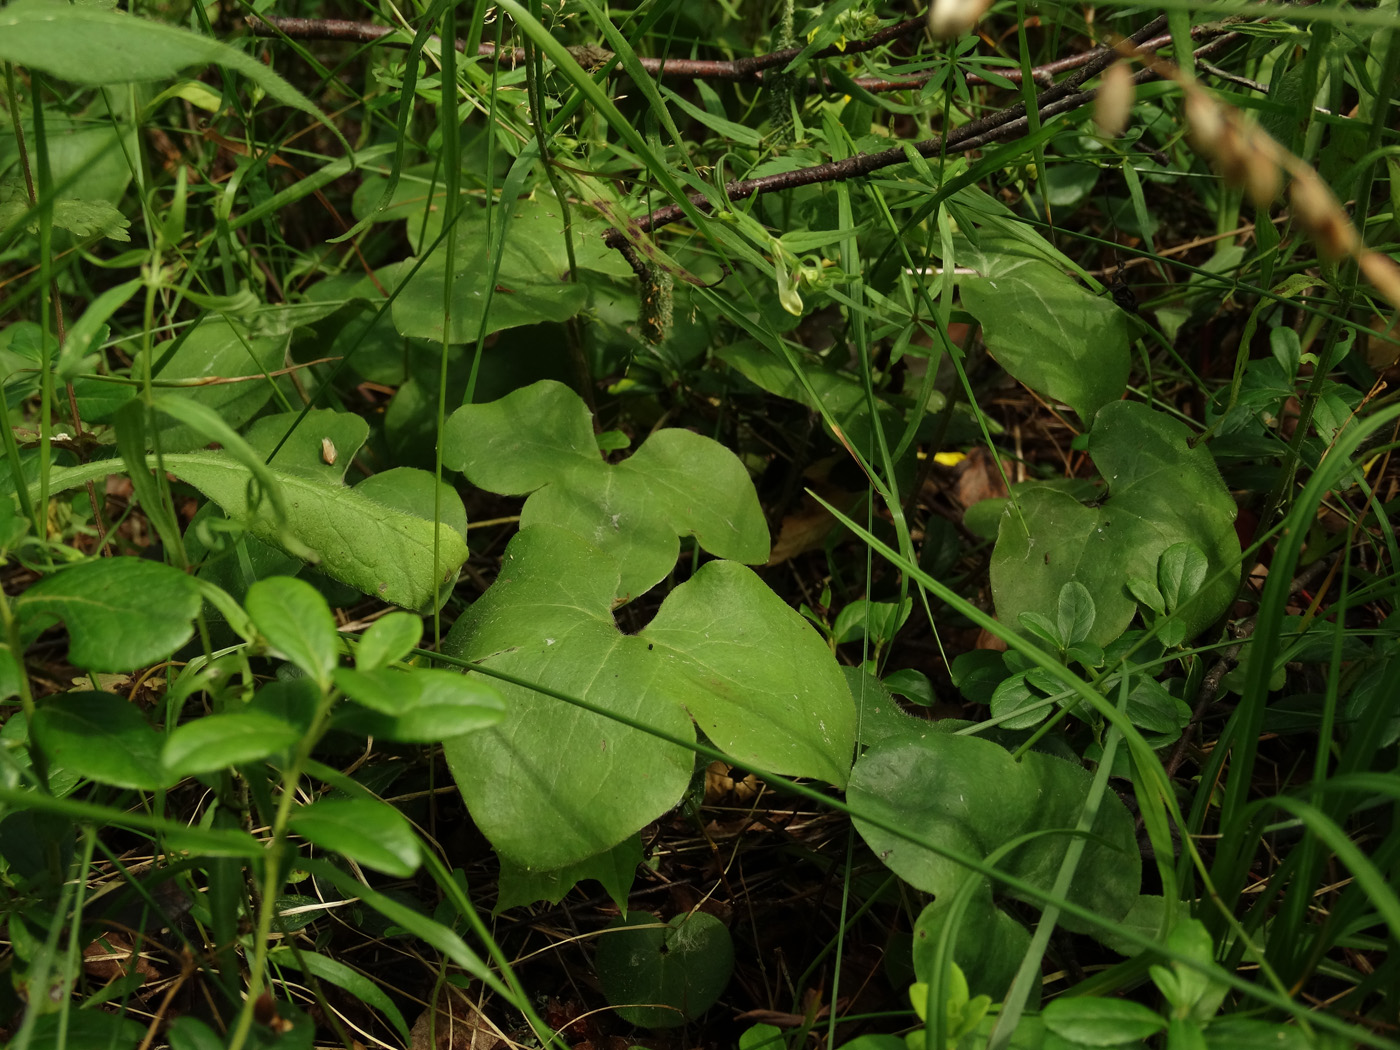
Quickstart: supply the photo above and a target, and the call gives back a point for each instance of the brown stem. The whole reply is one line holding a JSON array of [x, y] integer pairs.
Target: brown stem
[[1057, 99]]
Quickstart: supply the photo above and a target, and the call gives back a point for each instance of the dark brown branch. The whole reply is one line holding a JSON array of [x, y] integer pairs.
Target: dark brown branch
[[750, 68], [1057, 99]]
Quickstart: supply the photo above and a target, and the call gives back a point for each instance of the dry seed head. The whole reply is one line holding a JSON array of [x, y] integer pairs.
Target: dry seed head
[[1114, 103], [1205, 122], [949, 18], [1318, 211], [1384, 273], [1262, 177]]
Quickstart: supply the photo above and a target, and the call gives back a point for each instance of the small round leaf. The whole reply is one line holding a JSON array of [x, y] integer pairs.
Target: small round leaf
[[662, 976]]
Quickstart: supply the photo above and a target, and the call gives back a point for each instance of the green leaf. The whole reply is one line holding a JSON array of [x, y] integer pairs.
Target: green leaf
[[88, 45], [1181, 572], [1160, 492], [121, 613], [320, 447], [90, 1029], [353, 981], [553, 783], [937, 787], [532, 284], [540, 440], [374, 834], [218, 349], [230, 739], [102, 737], [615, 869], [297, 622], [388, 639], [989, 947], [356, 539], [659, 976], [419, 706], [190, 1033], [1075, 613], [1091, 1021], [1048, 331]]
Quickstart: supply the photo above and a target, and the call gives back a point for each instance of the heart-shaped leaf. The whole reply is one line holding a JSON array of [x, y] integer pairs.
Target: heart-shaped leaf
[[532, 283], [1047, 330], [540, 440], [663, 976], [935, 786], [553, 783], [1160, 492]]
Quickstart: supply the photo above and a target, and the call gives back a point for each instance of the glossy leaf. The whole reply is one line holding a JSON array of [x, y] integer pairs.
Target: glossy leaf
[[102, 737], [554, 784], [539, 440], [387, 640], [1160, 493], [419, 706], [371, 833], [229, 739], [121, 613]]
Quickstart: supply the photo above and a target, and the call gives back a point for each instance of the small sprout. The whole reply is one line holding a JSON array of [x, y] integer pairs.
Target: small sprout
[[1114, 103], [328, 451]]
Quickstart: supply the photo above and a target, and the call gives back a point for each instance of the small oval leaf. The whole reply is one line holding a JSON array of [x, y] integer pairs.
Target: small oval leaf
[[374, 834], [222, 740], [296, 620]]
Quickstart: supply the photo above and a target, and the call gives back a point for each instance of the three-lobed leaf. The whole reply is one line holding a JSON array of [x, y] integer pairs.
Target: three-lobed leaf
[[1161, 493], [554, 783], [539, 440]]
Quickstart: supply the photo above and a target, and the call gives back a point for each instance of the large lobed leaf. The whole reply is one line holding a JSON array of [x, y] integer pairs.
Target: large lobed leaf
[[1160, 492], [969, 795], [539, 439], [553, 783]]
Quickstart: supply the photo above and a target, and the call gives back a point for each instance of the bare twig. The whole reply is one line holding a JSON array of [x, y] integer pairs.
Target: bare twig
[[973, 135]]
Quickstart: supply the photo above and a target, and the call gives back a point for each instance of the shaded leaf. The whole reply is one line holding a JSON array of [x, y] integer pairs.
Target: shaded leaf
[[102, 737], [374, 834], [1160, 492], [121, 613]]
